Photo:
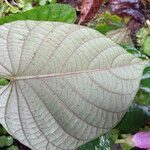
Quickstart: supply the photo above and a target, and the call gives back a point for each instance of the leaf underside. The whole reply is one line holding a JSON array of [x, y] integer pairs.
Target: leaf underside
[[68, 84]]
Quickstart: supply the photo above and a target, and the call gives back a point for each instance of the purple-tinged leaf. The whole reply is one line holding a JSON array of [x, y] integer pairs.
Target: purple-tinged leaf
[[125, 8]]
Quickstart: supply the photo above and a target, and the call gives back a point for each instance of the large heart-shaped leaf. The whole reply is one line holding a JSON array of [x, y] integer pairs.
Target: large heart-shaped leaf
[[68, 84]]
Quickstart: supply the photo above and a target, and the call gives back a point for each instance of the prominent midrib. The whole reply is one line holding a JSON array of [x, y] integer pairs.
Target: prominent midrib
[[15, 78]]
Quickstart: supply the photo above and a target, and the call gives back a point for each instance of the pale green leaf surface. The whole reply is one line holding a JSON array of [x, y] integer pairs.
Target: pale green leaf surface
[[68, 84]]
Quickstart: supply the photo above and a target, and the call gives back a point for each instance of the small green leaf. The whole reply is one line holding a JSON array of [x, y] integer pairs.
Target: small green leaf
[[9, 140], [3, 82], [143, 97], [52, 12], [14, 10], [103, 28], [13, 148], [6, 141], [146, 46], [143, 39], [107, 22], [2, 141]]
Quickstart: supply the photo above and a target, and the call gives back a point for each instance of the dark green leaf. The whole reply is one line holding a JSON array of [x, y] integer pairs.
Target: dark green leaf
[[135, 118], [52, 12], [90, 146]]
